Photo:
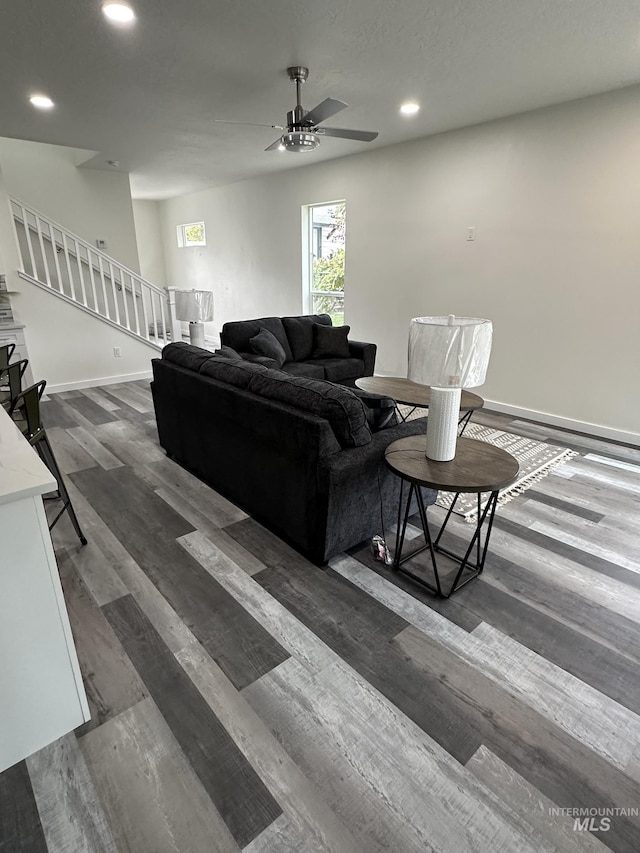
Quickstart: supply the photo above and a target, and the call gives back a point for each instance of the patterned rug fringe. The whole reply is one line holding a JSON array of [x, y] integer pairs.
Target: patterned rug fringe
[[521, 486], [522, 447], [536, 459]]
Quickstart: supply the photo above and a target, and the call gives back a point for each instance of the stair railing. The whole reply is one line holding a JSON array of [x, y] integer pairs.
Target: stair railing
[[62, 262]]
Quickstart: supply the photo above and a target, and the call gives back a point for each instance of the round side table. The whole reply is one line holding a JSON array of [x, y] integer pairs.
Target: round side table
[[419, 396], [478, 467]]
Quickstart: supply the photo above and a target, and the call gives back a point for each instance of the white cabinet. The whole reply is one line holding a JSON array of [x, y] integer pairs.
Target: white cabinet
[[41, 692], [13, 333]]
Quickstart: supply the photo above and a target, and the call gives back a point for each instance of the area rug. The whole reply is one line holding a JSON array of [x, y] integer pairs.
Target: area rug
[[536, 460]]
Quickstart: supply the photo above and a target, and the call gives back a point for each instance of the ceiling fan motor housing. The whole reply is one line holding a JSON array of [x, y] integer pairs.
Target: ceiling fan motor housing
[[299, 141], [295, 119]]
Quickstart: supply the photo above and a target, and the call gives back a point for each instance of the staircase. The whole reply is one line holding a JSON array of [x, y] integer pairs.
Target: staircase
[[62, 263]]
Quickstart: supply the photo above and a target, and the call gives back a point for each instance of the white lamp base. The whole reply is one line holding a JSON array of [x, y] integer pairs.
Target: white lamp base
[[442, 425], [196, 334]]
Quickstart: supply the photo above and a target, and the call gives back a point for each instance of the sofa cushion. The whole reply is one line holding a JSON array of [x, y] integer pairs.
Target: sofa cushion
[[238, 333], [338, 369], [186, 355], [227, 352], [300, 333], [234, 372], [266, 343], [344, 411], [304, 368], [259, 359], [330, 341]]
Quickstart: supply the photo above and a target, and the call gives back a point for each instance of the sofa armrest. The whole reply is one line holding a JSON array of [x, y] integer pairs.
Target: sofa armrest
[[366, 352], [366, 465], [353, 459], [363, 491]]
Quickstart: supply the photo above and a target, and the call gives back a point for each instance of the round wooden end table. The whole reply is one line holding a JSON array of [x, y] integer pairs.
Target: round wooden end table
[[478, 467], [413, 394]]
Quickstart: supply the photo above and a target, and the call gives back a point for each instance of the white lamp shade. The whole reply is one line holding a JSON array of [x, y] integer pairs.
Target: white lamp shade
[[449, 352], [194, 306]]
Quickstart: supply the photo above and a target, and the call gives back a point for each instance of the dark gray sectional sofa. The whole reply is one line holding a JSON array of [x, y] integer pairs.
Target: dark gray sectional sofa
[[295, 453], [298, 338]]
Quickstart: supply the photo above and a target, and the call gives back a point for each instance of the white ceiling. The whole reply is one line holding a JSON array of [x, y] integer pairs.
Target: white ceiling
[[147, 96]]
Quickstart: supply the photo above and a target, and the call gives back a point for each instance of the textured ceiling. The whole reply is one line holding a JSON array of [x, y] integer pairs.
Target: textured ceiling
[[148, 96]]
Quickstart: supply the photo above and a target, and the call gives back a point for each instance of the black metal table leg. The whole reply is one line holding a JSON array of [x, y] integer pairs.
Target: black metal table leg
[[464, 420], [477, 468], [400, 536], [478, 542]]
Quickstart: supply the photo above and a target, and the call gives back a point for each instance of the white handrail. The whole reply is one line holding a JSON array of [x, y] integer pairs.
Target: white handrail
[[120, 293]]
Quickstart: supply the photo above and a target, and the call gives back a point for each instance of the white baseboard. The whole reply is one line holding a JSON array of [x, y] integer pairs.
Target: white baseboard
[[92, 383], [565, 423]]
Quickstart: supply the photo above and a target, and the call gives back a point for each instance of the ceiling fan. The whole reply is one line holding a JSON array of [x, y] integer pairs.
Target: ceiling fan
[[302, 130]]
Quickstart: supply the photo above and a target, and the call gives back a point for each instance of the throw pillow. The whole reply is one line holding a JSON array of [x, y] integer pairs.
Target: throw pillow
[[300, 333], [265, 343], [331, 341], [238, 333], [227, 352]]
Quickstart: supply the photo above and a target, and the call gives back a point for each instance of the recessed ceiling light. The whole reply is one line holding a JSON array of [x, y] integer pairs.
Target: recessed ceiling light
[[120, 13], [42, 102], [410, 108]]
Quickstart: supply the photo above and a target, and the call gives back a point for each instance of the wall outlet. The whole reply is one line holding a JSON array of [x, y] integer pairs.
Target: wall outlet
[[117, 352], [101, 244], [471, 233]]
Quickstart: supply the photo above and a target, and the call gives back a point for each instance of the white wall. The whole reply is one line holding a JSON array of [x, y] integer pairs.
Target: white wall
[[71, 349], [146, 215], [91, 203], [553, 196], [66, 346]]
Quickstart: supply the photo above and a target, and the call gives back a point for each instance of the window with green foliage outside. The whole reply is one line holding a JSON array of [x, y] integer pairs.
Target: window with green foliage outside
[[327, 231], [191, 234]]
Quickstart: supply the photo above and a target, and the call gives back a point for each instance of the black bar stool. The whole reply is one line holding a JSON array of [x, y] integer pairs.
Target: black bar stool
[[11, 381], [27, 403], [6, 351]]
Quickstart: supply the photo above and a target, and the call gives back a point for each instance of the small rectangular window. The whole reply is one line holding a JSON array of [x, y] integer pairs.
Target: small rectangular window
[[191, 234]]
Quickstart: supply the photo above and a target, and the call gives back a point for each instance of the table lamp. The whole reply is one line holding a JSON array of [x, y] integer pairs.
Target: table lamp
[[196, 308], [447, 353]]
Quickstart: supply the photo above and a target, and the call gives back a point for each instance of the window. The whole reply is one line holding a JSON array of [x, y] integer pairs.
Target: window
[[324, 256], [191, 234]]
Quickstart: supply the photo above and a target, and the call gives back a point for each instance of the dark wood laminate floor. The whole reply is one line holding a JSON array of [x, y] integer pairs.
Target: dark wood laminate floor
[[244, 699]]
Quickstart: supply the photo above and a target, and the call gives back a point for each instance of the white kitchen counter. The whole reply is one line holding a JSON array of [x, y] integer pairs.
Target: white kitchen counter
[[42, 696], [22, 473]]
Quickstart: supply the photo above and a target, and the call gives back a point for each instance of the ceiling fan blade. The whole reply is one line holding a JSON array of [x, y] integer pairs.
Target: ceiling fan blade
[[275, 145], [329, 107], [344, 133], [253, 123]]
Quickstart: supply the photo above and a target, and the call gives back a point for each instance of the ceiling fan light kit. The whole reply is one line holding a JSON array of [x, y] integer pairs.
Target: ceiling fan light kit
[[302, 131], [299, 141]]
